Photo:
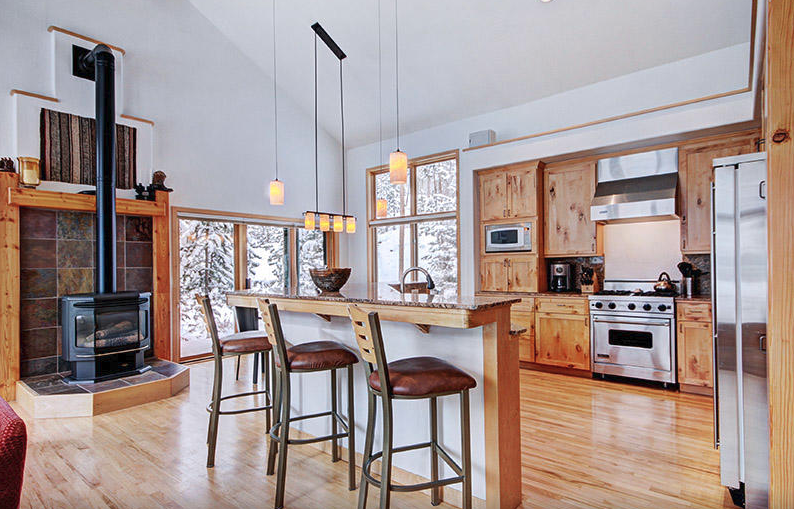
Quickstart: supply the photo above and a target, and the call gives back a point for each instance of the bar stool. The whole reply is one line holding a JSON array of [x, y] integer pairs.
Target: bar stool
[[306, 358], [254, 342], [412, 378]]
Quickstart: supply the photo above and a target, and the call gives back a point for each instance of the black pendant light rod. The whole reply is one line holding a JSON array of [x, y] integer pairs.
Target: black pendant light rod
[[397, 71], [332, 45], [342, 115], [316, 162], [275, 93]]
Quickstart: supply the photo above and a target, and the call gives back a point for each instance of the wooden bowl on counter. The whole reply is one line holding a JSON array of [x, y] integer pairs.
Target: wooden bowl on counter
[[330, 280]]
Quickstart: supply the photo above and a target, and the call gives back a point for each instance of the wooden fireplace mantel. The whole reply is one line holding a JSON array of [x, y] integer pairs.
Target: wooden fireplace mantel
[[16, 197]]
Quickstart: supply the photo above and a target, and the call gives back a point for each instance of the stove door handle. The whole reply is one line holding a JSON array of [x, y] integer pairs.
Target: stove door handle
[[662, 323]]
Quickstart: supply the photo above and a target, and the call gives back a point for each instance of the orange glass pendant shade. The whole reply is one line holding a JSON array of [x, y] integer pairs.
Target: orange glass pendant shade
[[380, 208], [325, 222], [351, 225], [339, 224], [308, 220], [398, 167], [276, 192]]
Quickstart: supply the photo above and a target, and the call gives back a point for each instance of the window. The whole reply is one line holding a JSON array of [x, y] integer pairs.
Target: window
[[223, 253], [420, 226]]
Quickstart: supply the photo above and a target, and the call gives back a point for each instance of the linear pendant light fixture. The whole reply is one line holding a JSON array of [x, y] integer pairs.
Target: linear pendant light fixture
[[337, 222], [398, 161], [276, 186]]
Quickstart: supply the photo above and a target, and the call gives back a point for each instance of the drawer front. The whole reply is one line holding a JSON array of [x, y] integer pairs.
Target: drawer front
[[693, 311], [569, 306], [526, 340], [525, 306]]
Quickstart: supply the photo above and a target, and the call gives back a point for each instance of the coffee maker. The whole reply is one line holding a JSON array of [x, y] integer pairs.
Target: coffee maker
[[560, 277]]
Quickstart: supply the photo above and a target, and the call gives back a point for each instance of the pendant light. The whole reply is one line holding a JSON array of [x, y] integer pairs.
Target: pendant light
[[311, 218], [398, 161], [276, 186]]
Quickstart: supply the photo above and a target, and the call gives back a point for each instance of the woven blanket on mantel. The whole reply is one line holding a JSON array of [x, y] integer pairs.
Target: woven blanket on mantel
[[68, 150]]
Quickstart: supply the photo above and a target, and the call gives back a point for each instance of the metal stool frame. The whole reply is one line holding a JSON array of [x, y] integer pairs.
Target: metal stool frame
[[279, 433], [370, 343], [214, 406]]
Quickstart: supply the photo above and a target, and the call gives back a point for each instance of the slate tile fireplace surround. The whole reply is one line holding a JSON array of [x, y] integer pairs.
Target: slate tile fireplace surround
[[57, 259]]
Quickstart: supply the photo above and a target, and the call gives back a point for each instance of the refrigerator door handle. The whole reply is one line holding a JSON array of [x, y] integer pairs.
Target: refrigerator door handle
[[762, 342], [762, 189], [714, 360]]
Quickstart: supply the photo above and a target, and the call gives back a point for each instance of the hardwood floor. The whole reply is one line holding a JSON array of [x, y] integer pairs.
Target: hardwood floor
[[586, 443]]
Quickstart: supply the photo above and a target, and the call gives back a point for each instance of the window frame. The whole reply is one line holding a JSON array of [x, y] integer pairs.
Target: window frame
[[411, 219], [240, 223]]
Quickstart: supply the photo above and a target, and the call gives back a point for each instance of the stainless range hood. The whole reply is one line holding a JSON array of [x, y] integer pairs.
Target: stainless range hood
[[636, 187]]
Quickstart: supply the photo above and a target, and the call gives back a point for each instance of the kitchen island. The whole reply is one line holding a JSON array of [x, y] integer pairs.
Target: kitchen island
[[471, 332]]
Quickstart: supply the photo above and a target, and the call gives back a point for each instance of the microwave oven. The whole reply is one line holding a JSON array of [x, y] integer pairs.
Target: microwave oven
[[508, 237]]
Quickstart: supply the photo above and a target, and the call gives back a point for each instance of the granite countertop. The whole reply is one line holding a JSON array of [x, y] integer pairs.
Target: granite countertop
[[539, 294], [383, 294]]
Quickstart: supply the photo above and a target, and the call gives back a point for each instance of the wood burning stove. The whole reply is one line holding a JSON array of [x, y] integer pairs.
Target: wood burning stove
[[105, 334]]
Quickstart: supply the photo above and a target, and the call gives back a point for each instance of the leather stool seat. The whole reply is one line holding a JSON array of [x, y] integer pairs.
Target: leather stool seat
[[245, 342], [424, 376], [319, 355]]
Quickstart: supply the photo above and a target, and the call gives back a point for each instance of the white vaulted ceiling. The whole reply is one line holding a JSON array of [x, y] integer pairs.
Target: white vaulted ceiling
[[460, 58]]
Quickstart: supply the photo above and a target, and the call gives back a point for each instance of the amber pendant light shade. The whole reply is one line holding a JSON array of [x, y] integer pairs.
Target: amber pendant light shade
[[276, 192], [325, 222], [339, 224], [350, 225], [398, 167], [308, 220]]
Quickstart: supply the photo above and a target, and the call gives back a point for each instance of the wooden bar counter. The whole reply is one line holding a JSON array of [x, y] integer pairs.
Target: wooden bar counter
[[440, 325]]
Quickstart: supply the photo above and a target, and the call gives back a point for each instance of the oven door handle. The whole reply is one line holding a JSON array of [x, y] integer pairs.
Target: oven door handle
[[662, 323]]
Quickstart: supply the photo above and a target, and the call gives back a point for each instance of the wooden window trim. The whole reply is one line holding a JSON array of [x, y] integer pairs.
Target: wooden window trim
[[240, 222], [411, 219]]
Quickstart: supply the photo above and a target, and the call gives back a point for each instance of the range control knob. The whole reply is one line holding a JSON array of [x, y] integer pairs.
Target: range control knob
[[599, 305], [646, 307], [662, 307], [611, 305], [632, 306]]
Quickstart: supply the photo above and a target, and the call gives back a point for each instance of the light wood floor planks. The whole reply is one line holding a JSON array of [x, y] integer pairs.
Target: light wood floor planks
[[586, 443]]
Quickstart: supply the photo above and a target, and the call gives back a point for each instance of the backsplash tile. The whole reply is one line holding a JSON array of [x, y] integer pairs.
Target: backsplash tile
[[37, 313], [37, 254], [703, 281], [595, 262], [75, 253], [38, 283], [75, 225], [37, 224]]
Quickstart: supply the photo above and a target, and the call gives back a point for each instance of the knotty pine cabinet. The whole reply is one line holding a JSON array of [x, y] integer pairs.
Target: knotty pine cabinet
[[562, 339], [509, 273], [695, 176], [522, 316], [510, 192], [694, 344], [568, 190]]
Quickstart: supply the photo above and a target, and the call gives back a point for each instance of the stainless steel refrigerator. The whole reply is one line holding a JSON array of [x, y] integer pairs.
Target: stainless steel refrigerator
[[739, 299]]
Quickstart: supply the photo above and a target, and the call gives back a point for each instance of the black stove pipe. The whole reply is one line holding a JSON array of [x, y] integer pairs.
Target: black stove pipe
[[103, 63]]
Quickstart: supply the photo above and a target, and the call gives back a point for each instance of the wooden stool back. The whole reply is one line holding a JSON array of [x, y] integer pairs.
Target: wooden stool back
[[275, 334], [369, 338], [209, 321]]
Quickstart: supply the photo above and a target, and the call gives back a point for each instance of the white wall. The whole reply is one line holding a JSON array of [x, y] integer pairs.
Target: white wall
[[212, 107], [699, 76]]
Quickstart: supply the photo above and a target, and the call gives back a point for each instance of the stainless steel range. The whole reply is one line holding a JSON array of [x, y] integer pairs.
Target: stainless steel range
[[632, 331]]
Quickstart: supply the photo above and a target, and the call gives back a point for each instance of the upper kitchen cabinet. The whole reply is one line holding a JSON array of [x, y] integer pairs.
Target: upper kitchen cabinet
[[695, 177], [510, 192], [569, 189]]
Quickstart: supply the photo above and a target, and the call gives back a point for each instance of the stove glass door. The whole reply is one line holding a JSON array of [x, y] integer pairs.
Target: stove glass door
[[633, 341]]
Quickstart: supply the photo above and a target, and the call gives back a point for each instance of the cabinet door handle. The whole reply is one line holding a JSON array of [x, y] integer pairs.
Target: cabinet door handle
[[762, 342]]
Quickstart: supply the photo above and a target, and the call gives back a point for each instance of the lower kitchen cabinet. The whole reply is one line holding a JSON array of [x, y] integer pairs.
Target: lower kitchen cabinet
[[694, 342], [526, 340], [562, 340]]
